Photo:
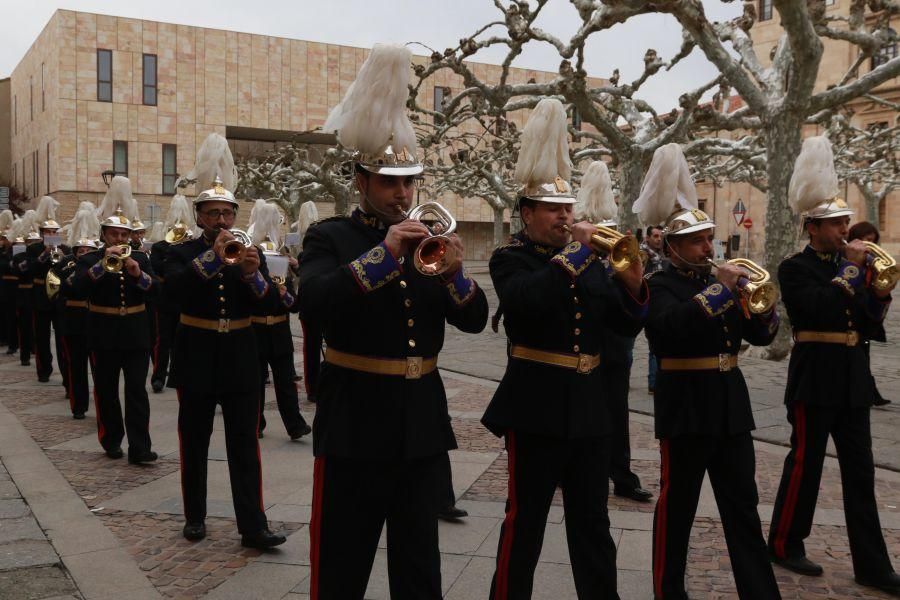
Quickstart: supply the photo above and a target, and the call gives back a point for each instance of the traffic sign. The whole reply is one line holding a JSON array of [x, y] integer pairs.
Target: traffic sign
[[747, 223], [739, 211]]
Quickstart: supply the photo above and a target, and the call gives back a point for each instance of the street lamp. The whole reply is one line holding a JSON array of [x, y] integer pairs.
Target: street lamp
[[107, 176]]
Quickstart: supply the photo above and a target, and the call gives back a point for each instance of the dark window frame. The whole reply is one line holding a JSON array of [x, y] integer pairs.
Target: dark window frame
[[43, 87], [48, 167], [120, 144], [173, 175], [35, 172], [31, 95], [445, 92], [576, 118], [155, 85], [100, 81], [883, 55], [765, 10]]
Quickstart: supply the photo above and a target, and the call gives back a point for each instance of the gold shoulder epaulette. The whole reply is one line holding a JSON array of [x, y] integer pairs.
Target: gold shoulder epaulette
[[513, 243]]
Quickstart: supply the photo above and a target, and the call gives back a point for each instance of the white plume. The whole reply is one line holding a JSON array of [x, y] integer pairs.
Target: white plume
[[213, 158], [6, 220], [814, 179], [26, 224], [667, 186], [157, 232], [309, 214], [180, 211], [544, 154], [595, 197], [84, 225], [118, 195], [46, 209], [266, 220], [374, 107]]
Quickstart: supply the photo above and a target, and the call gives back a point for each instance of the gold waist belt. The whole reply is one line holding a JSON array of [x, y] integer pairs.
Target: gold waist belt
[[582, 363], [846, 338], [269, 320], [722, 362], [411, 367], [217, 325], [26, 286], [117, 310], [39, 281], [10, 278], [77, 303]]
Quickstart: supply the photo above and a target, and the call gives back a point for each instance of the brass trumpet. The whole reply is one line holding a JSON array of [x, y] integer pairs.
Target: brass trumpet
[[622, 248], [235, 250], [114, 263], [52, 284], [178, 233], [758, 289], [885, 266], [434, 255]]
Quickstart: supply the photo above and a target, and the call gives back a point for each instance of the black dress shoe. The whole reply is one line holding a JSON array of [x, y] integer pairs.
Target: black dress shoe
[[311, 399], [299, 432], [889, 583], [44, 379], [157, 385], [78, 416], [115, 453], [879, 401], [637, 494], [452, 513], [144, 457], [26, 363], [262, 540], [194, 531], [260, 435], [799, 564], [10, 351]]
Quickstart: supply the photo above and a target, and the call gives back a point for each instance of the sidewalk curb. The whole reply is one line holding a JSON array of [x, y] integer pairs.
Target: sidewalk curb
[[93, 557]]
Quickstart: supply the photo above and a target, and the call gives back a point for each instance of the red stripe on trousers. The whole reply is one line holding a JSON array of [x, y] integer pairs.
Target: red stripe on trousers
[[501, 586], [659, 554], [790, 500], [315, 526], [101, 430], [71, 390]]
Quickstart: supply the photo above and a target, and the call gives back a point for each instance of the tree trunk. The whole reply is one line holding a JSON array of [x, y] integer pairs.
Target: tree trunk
[[499, 238], [873, 202], [631, 177], [783, 141]]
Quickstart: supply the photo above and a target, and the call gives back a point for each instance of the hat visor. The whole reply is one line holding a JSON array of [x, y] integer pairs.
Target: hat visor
[[112, 226], [693, 228], [844, 212], [198, 201], [394, 170], [552, 199]]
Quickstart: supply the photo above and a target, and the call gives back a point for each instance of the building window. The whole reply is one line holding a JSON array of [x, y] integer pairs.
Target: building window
[[43, 78], [150, 79], [576, 119], [169, 163], [35, 173], [120, 158], [765, 10], [104, 75], [885, 53], [31, 96], [48, 169], [441, 98], [16, 114]]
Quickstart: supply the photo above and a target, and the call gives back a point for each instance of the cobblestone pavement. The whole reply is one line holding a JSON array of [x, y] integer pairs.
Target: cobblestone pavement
[[139, 507]]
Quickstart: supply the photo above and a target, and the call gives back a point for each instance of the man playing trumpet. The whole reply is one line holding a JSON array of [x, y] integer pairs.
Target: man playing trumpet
[[832, 301], [701, 403]]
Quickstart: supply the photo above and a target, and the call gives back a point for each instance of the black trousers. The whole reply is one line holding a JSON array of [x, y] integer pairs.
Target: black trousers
[[353, 499], [164, 324], [731, 465], [867, 347], [285, 391], [106, 366], [6, 334], [10, 318], [617, 383], [43, 320], [537, 465], [797, 494], [312, 357], [75, 348], [25, 326], [195, 424]]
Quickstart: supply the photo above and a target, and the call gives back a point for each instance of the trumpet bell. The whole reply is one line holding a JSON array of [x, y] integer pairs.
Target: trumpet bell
[[114, 263], [622, 249], [759, 290], [235, 250], [884, 265], [435, 254], [52, 283], [177, 234]]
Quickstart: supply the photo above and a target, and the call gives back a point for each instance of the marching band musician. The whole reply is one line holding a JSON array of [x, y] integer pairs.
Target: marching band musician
[[217, 295], [179, 227], [556, 296], [596, 204], [118, 335], [701, 405], [72, 305], [274, 342], [8, 281], [382, 430], [45, 313], [22, 266], [832, 303]]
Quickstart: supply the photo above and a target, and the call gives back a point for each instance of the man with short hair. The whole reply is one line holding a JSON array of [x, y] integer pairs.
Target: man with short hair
[[656, 261]]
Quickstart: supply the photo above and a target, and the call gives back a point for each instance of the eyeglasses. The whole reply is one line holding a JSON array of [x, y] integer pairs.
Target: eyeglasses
[[216, 214]]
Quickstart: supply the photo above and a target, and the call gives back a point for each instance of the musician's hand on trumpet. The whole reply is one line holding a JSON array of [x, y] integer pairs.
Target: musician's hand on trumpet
[[855, 252], [222, 238], [632, 277], [403, 236], [730, 275], [250, 264]]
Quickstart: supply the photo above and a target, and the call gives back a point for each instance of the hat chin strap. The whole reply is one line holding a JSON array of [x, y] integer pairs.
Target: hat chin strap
[[385, 217], [701, 268]]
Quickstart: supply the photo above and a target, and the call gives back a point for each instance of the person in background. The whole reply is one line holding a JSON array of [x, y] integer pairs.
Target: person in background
[[652, 245]]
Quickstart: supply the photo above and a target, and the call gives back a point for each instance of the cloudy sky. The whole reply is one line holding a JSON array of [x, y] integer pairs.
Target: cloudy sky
[[438, 24]]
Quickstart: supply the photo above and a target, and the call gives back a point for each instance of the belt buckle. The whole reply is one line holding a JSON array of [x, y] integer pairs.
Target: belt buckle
[[724, 362], [224, 325], [413, 367], [584, 364], [270, 320], [123, 311], [852, 338]]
